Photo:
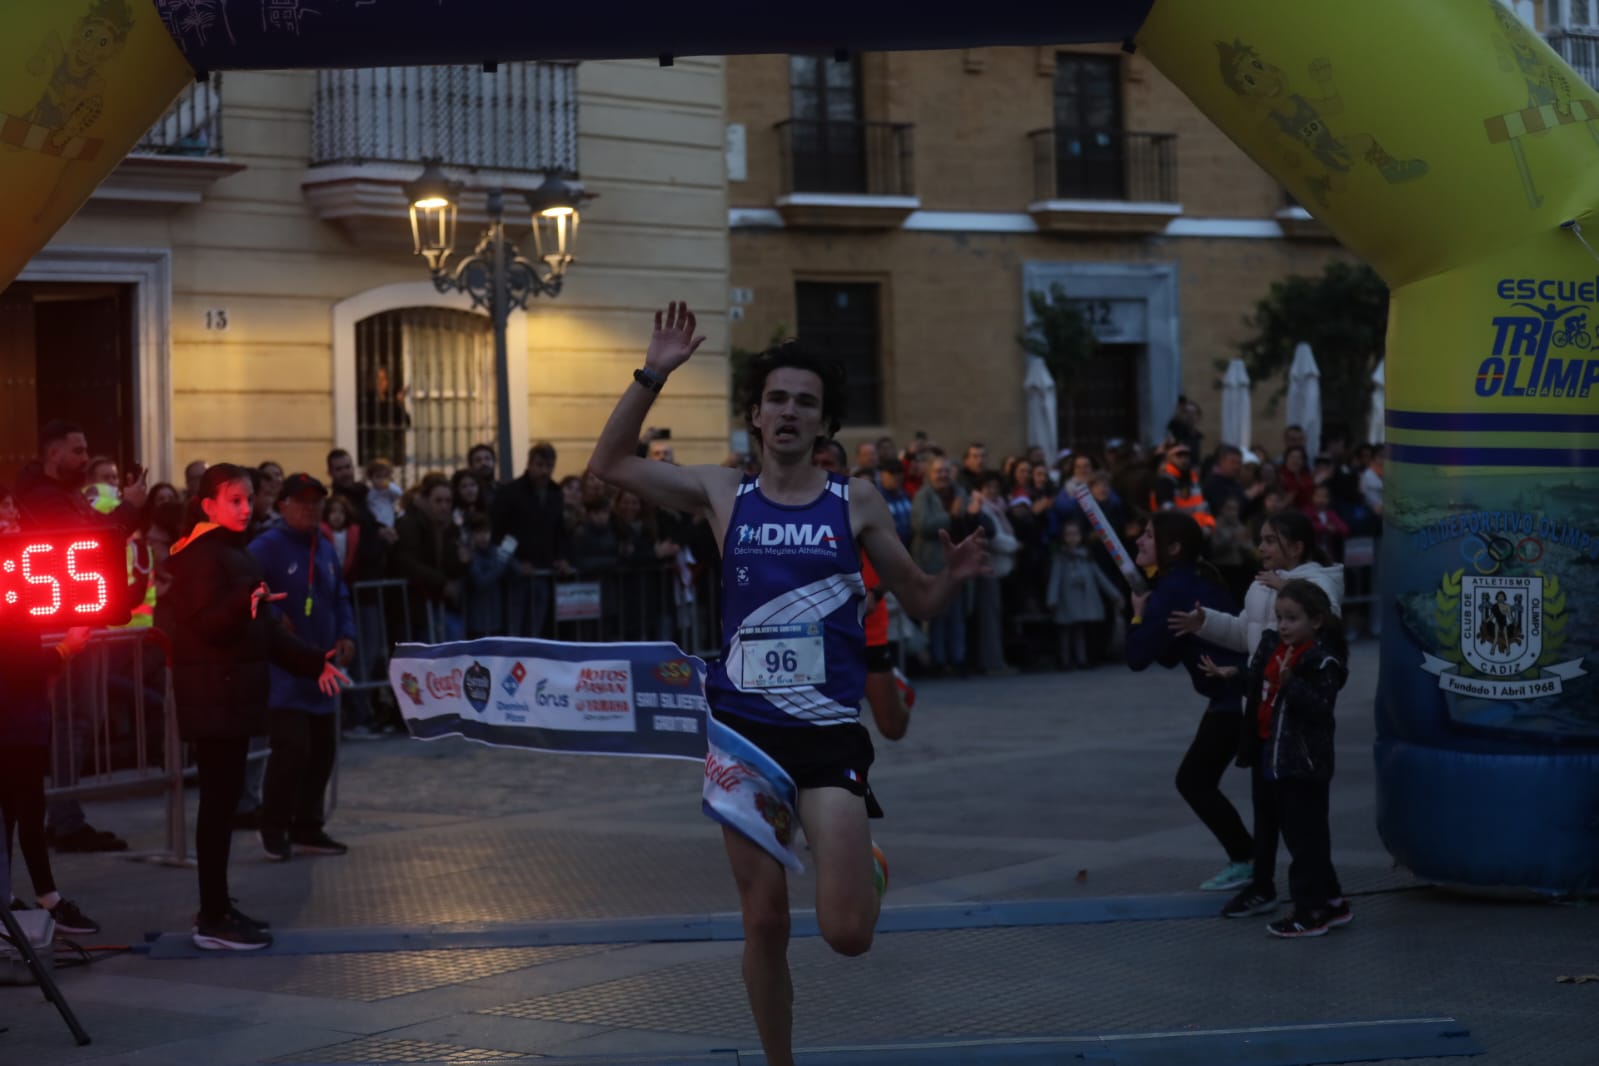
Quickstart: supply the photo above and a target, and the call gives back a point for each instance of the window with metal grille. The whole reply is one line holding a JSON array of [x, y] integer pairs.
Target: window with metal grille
[[425, 389], [840, 321]]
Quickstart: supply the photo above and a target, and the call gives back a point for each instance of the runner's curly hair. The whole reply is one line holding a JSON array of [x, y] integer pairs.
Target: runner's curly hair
[[790, 354]]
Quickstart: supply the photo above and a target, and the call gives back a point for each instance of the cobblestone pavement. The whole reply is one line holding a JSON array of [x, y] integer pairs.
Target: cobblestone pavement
[[1033, 787]]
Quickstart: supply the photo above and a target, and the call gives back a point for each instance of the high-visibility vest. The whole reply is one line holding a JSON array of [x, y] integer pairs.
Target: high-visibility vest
[[1187, 499], [104, 498]]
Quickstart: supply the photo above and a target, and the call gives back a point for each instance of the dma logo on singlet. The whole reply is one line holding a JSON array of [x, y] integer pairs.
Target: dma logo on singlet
[[786, 537]]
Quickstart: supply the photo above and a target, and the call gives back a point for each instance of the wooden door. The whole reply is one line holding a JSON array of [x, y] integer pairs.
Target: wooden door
[[19, 424]]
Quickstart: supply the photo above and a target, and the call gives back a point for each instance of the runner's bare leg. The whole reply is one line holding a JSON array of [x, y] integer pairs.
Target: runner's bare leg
[[847, 903], [763, 899]]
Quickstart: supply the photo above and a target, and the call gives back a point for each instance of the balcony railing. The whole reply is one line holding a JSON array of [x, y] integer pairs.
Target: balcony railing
[[191, 127], [1580, 48], [1078, 164], [865, 158], [522, 117]]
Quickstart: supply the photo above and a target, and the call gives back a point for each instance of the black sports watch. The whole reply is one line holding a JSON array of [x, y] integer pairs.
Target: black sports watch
[[648, 380]]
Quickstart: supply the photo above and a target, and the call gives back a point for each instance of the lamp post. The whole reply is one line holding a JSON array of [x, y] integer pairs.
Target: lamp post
[[496, 275]]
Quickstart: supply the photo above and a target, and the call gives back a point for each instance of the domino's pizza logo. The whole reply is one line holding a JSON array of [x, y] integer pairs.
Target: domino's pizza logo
[[513, 680]]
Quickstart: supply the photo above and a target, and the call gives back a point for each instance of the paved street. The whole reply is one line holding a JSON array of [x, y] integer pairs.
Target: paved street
[[499, 905]]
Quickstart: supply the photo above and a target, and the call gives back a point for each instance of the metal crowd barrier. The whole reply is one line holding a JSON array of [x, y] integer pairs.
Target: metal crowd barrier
[[662, 602], [114, 727]]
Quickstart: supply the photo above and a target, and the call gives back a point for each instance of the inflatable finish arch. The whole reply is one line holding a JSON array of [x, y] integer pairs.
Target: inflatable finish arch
[[1443, 141]]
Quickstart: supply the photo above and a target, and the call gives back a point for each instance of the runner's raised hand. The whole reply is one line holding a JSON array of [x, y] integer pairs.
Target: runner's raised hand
[[673, 340]]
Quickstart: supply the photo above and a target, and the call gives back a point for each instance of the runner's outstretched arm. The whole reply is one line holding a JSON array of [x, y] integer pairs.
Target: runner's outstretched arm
[[615, 458], [921, 594]]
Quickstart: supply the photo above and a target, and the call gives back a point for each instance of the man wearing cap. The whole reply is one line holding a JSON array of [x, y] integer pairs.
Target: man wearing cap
[[300, 562]]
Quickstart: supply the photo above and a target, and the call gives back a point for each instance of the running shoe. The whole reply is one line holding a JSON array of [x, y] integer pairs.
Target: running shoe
[[1233, 875], [879, 870], [229, 933], [275, 845], [69, 919], [1249, 901], [907, 691], [1338, 913], [315, 842], [1300, 923]]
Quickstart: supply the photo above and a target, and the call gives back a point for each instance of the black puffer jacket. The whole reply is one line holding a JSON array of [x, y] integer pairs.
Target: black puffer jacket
[[220, 655], [1300, 743]]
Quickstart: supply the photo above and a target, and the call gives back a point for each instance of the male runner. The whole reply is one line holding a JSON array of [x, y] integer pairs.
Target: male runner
[[792, 559]]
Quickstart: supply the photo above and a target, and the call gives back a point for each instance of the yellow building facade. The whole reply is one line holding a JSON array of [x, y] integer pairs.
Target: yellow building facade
[[233, 287], [900, 206]]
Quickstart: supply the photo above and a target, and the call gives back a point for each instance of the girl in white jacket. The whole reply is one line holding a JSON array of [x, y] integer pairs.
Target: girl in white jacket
[[1287, 552]]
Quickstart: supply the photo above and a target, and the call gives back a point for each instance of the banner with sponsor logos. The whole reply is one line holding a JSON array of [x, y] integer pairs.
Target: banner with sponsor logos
[[1449, 145], [601, 699]]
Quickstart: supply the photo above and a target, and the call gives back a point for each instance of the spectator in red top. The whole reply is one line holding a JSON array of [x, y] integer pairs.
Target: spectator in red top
[[1331, 530], [1296, 479]]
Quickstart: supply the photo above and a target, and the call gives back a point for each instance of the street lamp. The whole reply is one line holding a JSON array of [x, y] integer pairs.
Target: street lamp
[[495, 275]]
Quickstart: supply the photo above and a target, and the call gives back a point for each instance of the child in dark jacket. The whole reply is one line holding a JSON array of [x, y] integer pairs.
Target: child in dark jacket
[[1174, 544], [483, 606], [1294, 680]]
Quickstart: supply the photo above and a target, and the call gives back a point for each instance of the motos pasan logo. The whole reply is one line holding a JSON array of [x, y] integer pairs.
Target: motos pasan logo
[[786, 535], [1548, 350]]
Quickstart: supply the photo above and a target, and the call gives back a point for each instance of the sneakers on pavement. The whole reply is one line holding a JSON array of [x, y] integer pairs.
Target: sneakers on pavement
[[1300, 923], [315, 842], [237, 915], [1249, 901], [1339, 914], [1233, 875], [879, 870], [229, 933], [275, 845], [69, 919]]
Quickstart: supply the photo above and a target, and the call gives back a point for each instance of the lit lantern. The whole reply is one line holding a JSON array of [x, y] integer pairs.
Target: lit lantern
[[554, 208], [433, 200]]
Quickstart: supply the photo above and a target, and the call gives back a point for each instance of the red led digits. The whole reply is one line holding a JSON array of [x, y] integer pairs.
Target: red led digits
[[33, 577], [52, 581], [88, 576]]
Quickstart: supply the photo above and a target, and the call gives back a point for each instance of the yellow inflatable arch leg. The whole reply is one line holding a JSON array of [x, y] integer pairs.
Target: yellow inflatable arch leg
[[80, 83], [1448, 145]]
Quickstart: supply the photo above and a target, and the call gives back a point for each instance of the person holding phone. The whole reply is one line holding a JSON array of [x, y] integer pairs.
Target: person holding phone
[[224, 636]]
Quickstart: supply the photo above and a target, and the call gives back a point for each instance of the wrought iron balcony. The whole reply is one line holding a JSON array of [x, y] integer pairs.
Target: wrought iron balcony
[[1579, 48], [864, 158], [178, 159], [842, 173], [372, 128], [520, 119], [1081, 164], [191, 127]]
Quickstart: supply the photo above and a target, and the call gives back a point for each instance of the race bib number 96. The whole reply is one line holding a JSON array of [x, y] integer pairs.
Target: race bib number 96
[[783, 656]]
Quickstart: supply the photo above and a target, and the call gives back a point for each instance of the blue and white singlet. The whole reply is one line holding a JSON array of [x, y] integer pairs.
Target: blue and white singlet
[[793, 649]]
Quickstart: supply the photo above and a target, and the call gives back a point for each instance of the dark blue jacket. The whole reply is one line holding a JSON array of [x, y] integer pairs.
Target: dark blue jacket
[[1150, 641], [285, 558]]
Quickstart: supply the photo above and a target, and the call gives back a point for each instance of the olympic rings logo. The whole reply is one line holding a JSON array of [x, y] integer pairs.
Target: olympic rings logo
[[1489, 553]]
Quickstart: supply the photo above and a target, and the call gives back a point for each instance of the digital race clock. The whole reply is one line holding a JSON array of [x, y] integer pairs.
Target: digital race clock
[[54, 581]]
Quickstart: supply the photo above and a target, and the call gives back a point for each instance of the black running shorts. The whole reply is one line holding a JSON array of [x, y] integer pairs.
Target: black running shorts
[[815, 756]]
